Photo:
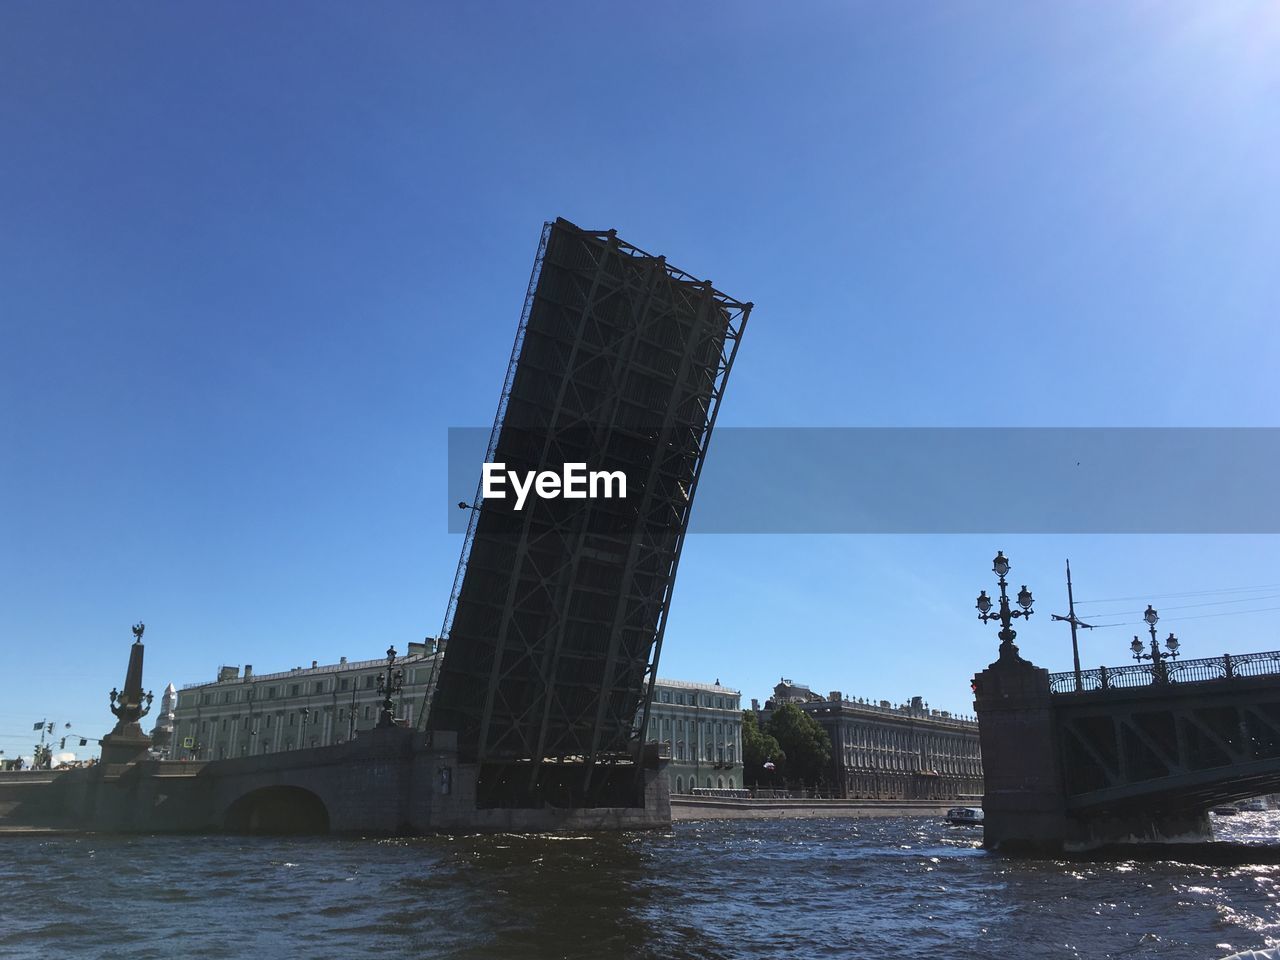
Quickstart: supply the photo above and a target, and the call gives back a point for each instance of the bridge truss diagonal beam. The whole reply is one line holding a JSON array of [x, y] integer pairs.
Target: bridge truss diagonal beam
[[1182, 743]]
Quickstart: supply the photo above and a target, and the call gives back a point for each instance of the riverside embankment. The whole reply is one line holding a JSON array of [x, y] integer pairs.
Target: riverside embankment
[[743, 808]]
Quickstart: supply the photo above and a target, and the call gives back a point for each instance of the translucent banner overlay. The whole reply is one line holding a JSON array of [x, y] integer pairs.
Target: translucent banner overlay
[[972, 480]]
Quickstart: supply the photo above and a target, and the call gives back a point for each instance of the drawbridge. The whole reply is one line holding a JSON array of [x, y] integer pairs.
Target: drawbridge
[[555, 622]]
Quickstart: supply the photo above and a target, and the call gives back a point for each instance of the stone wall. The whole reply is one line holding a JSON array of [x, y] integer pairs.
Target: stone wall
[[387, 781]]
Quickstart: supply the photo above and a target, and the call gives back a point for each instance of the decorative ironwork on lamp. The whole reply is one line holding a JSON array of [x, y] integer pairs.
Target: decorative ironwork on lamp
[[1000, 567], [1159, 658], [389, 684]]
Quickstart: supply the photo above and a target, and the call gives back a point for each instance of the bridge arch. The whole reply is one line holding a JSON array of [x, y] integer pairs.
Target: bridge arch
[[277, 810]]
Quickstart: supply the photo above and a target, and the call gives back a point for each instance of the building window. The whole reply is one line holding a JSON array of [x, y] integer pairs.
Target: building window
[[679, 784], [319, 686], [666, 696], [295, 689], [731, 783], [369, 682], [271, 693], [344, 683]]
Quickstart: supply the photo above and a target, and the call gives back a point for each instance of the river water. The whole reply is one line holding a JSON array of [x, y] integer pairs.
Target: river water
[[821, 888]]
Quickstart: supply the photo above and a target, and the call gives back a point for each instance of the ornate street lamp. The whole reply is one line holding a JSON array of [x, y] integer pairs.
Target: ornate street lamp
[[1000, 567], [389, 685], [1159, 659]]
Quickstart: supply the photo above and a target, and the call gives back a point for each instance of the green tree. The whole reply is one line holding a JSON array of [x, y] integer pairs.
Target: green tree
[[758, 748], [805, 743]]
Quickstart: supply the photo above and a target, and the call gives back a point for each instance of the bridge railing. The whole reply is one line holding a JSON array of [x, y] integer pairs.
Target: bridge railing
[[1225, 667]]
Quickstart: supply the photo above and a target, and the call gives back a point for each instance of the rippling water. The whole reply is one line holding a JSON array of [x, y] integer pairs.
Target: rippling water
[[821, 888]]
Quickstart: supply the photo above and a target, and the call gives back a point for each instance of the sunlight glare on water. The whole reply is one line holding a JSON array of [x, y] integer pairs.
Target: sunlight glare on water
[[819, 888]]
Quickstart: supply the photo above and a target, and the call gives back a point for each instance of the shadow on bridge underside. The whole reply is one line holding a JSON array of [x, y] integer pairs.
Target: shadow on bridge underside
[[278, 810]]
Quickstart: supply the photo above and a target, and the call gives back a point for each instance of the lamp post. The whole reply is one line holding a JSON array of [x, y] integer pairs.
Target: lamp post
[[1159, 659], [351, 716], [389, 685], [1000, 567], [306, 716]]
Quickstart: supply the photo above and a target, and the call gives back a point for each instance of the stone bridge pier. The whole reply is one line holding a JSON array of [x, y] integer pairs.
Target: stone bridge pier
[[1023, 804]]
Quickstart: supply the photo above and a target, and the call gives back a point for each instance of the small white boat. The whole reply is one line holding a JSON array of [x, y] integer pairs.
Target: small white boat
[[1225, 810], [1253, 805], [964, 816]]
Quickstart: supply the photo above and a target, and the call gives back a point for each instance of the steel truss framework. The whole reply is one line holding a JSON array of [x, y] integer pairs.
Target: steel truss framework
[[554, 627], [1187, 745]]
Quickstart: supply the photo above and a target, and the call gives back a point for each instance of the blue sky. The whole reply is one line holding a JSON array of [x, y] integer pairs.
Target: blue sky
[[257, 258]]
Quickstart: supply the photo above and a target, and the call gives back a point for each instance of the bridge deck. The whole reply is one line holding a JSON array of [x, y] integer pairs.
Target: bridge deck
[[1173, 742]]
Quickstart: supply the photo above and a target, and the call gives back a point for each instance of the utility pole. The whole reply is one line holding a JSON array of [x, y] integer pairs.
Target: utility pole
[[1075, 622]]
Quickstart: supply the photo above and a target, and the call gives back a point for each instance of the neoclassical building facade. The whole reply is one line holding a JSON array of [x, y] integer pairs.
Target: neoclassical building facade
[[242, 713], [699, 727], [886, 752]]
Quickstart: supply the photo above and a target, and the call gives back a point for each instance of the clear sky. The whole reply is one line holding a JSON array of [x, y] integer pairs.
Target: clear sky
[[256, 258]]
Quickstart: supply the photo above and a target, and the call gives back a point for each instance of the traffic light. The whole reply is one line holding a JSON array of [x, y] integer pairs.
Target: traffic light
[[63, 744], [84, 742]]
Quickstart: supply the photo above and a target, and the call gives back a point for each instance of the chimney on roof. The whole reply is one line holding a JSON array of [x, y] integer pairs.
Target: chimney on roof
[[248, 670], [314, 664], [342, 660]]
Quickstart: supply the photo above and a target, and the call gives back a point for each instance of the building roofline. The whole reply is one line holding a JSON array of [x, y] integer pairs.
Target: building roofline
[[305, 671], [693, 685]]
